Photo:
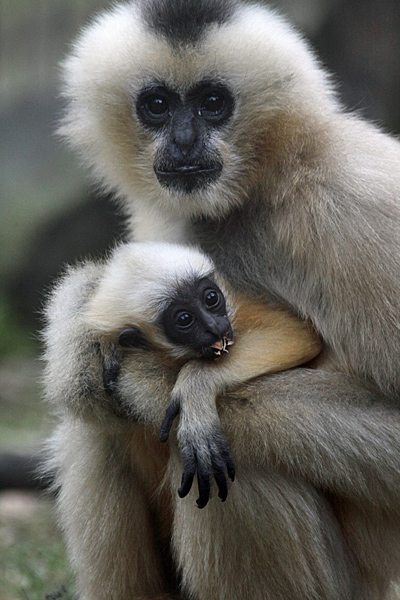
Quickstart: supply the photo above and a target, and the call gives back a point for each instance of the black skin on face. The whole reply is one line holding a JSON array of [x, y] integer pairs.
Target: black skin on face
[[196, 318], [185, 122]]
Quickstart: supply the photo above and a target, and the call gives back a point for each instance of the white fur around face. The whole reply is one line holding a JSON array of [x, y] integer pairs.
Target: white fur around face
[[265, 63], [138, 280]]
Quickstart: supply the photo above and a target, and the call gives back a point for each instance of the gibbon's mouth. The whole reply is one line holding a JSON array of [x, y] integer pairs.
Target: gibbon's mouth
[[222, 345], [188, 178], [187, 170], [218, 347]]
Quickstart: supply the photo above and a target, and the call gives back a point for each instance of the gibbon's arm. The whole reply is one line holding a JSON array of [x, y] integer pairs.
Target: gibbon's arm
[[318, 425], [310, 423], [267, 340]]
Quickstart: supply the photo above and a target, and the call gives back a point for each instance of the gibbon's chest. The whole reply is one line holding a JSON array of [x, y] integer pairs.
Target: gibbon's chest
[[245, 252]]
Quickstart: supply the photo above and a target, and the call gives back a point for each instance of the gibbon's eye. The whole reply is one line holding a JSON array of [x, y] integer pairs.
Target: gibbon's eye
[[157, 106], [183, 319], [215, 103], [211, 298], [212, 105]]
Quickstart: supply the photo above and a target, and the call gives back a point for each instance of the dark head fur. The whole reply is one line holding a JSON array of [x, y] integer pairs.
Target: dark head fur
[[184, 21]]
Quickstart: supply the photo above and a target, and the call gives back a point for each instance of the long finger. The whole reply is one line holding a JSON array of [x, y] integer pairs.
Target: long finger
[[203, 482], [170, 414], [219, 477], [226, 457], [189, 471]]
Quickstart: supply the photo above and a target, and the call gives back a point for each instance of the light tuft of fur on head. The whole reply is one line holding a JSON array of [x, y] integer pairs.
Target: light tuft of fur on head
[[138, 282]]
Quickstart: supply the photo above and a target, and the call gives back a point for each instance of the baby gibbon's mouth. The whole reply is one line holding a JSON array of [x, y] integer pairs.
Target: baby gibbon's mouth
[[218, 347], [221, 345]]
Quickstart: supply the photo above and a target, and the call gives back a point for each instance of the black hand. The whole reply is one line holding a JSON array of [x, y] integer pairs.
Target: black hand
[[209, 458], [111, 370], [132, 337]]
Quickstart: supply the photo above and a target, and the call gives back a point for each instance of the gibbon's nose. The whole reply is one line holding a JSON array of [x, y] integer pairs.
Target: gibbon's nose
[[216, 325], [184, 133]]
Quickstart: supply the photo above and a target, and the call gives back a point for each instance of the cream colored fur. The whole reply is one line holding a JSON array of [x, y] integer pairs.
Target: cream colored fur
[[276, 536], [305, 215], [99, 120], [138, 282]]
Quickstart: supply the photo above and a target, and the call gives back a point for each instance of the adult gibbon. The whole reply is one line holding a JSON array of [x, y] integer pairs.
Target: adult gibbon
[[216, 126]]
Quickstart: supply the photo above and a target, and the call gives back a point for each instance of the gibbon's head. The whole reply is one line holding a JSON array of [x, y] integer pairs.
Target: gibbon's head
[[172, 102], [161, 295]]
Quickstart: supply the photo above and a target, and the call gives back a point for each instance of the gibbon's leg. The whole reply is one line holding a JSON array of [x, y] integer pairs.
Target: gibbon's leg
[[108, 470], [322, 426], [115, 521], [275, 538], [373, 536]]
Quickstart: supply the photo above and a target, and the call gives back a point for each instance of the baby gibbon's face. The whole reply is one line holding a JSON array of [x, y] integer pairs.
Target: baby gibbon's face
[[196, 318]]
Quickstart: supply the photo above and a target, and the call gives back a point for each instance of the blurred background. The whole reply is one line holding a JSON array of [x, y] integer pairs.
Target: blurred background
[[51, 214]]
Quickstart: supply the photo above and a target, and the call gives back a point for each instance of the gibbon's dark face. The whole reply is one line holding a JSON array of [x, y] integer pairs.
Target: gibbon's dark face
[[196, 318], [186, 160]]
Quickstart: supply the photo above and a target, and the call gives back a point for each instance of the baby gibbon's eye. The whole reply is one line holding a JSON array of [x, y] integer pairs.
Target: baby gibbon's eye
[[183, 319], [211, 298]]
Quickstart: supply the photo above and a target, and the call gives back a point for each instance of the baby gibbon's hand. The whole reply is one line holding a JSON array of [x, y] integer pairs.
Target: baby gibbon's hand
[[205, 452], [204, 449]]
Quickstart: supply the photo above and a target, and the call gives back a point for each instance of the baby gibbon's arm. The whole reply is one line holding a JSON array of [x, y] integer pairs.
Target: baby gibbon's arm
[[267, 340]]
